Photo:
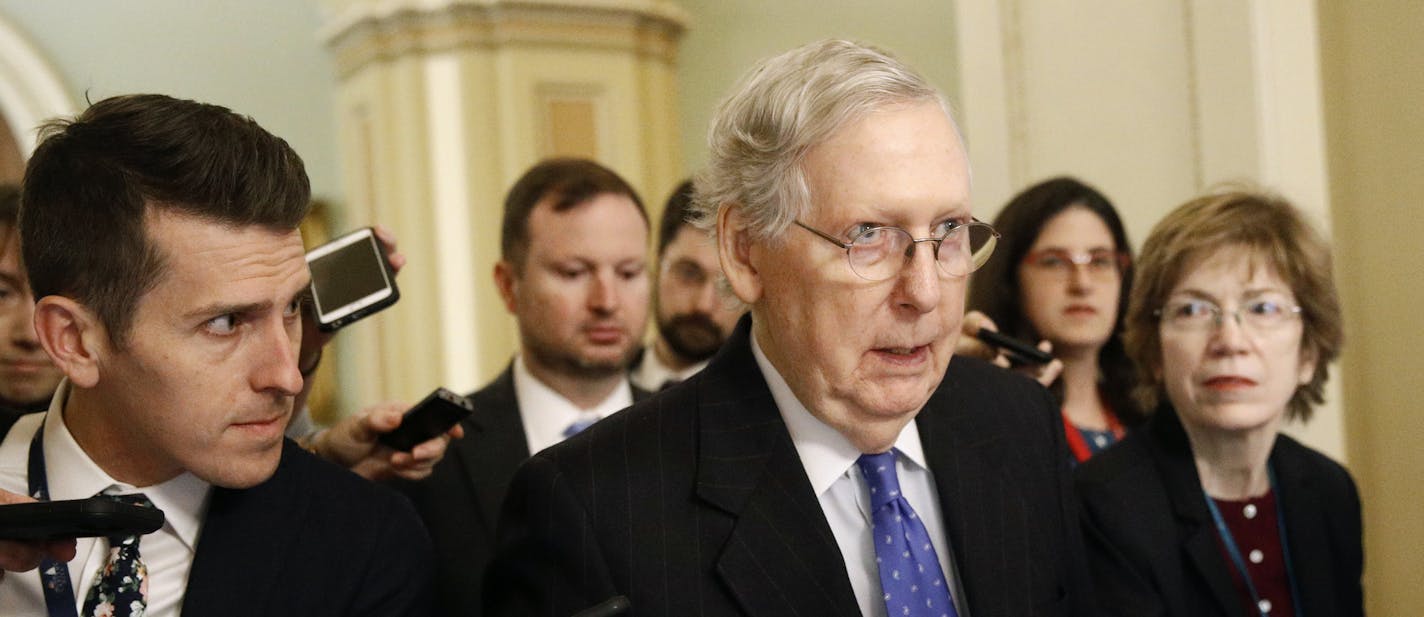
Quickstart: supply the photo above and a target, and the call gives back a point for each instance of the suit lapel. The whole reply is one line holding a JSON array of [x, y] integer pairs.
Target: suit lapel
[[241, 549], [965, 452], [780, 558], [1307, 531], [1198, 533], [494, 446]]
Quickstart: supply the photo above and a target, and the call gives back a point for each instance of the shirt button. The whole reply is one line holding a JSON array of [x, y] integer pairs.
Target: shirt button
[[1264, 605], [1249, 510], [1256, 556]]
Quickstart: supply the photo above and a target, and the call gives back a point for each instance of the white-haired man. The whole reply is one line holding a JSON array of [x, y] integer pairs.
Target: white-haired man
[[829, 460]]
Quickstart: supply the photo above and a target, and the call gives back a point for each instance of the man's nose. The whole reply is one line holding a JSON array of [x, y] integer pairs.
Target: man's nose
[[603, 293], [22, 326], [276, 369], [919, 282]]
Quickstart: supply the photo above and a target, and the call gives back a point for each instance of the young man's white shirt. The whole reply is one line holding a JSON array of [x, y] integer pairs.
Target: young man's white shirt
[[71, 474]]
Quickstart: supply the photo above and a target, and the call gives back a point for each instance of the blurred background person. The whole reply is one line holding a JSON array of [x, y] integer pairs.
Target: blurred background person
[[27, 377], [1209, 510], [1062, 275], [573, 273], [693, 317]]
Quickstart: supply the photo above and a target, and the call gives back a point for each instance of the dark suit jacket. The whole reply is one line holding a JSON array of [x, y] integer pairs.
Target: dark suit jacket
[[1152, 544], [695, 502], [313, 540], [460, 500]]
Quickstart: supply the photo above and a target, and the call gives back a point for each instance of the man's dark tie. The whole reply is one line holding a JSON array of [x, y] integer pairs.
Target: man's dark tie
[[121, 588], [910, 576]]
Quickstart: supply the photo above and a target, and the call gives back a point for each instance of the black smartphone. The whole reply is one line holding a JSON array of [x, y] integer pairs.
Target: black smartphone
[[351, 279], [1017, 351], [76, 518], [430, 417]]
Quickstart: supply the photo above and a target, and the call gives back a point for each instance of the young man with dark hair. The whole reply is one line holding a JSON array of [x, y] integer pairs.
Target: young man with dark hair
[[572, 272], [160, 236]]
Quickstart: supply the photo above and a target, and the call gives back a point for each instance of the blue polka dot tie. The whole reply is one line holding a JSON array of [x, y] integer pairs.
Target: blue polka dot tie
[[910, 576], [121, 588]]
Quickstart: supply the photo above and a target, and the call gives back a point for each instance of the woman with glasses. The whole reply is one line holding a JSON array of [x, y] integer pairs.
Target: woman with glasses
[[1062, 274], [1208, 509]]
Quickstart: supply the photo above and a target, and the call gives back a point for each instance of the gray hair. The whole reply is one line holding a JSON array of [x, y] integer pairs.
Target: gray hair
[[786, 105]]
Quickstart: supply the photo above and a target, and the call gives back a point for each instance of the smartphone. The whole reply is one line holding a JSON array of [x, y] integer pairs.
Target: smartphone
[[1018, 352], [430, 417], [76, 518], [351, 279]]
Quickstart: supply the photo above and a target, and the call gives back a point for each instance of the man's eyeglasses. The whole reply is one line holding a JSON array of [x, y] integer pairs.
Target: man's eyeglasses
[[879, 253], [1197, 315], [1100, 263]]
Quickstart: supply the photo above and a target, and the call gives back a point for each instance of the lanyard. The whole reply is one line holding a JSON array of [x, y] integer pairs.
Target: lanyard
[[54, 575], [1235, 553]]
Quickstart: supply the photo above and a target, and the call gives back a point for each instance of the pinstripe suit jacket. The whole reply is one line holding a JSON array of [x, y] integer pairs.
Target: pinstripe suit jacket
[[460, 501], [694, 503]]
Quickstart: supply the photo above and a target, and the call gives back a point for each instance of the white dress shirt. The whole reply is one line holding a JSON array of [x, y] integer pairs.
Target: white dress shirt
[[71, 474], [829, 459], [651, 373], [546, 413]]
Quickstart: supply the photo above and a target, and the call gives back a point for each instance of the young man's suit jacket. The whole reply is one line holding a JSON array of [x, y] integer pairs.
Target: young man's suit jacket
[[695, 502], [314, 540]]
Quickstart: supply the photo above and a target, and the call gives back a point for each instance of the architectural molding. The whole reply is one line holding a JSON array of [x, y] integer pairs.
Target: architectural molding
[[362, 32]]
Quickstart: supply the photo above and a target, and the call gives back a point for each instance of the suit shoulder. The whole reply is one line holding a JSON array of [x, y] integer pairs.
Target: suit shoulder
[[667, 417], [983, 389], [1125, 467], [1293, 457], [336, 489], [972, 375]]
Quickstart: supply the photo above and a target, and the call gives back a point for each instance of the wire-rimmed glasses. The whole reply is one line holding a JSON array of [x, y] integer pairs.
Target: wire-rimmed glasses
[[1200, 315], [879, 253], [1100, 263]]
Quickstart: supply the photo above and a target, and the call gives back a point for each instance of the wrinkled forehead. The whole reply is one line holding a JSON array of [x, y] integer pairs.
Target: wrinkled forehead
[[902, 157], [200, 248]]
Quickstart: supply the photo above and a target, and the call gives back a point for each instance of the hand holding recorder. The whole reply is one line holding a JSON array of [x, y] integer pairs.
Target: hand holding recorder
[[24, 555], [356, 442]]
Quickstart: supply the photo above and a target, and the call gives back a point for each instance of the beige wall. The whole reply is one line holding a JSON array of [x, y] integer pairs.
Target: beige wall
[[1373, 61], [726, 37]]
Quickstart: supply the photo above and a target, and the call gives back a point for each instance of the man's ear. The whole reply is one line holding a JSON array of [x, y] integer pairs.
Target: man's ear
[[73, 337], [507, 281], [734, 252]]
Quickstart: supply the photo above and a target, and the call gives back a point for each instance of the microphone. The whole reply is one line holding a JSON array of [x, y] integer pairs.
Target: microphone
[[616, 605]]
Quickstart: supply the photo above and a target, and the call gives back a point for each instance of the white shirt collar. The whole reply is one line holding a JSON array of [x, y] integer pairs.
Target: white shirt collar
[[825, 453], [546, 413], [651, 373], [71, 474]]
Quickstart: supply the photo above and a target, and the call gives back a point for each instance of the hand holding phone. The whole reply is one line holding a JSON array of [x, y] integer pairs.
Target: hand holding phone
[[429, 418], [351, 278], [1018, 352]]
